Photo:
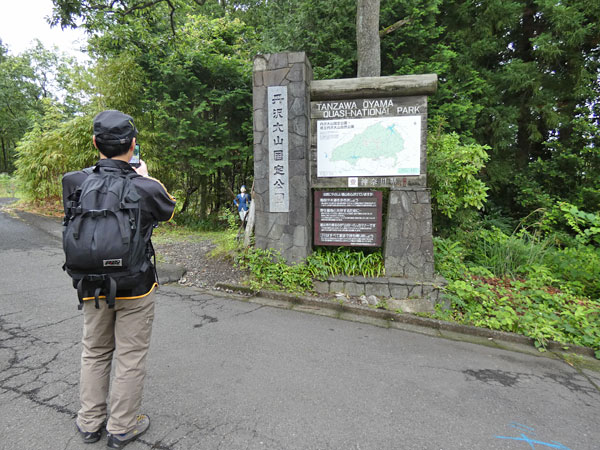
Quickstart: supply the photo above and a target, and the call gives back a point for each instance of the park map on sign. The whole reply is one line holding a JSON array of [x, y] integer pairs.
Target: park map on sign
[[382, 146]]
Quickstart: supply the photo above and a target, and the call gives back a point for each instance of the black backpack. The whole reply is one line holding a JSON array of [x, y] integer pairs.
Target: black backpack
[[102, 236]]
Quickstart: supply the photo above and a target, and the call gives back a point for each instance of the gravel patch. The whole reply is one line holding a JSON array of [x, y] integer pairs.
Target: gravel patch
[[202, 269]]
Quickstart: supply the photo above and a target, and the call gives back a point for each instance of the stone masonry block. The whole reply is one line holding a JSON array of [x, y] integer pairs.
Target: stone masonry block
[[275, 77], [336, 286], [260, 63], [257, 79], [259, 98], [398, 291], [260, 120], [379, 290], [297, 108], [296, 254], [411, 305], [415, 291], [278, 61], [261, 186], [298, 167], [393, 268], [297, 57], [300, 185], [297, 73], [261, 171], [297, 90], [300, 236], [297, 152], [258, 140], [322, 287], [423, 197], [354, 289]]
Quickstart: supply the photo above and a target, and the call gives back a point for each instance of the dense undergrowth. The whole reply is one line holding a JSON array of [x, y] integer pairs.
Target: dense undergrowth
[[553, 296]]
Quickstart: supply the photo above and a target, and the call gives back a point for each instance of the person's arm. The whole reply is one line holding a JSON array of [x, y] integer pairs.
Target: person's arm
[[161, 205]]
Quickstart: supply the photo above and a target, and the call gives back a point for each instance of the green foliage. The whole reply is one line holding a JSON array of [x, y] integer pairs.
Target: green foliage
[[323, 29], [227, 216], [8, 185], [537, 72], [51, 149], [522, 284], [453, 170], [192, 221], [270, 271], [191, 98], [19, 103], [585, 225], [325, 262], [507, 255], [579, 267]]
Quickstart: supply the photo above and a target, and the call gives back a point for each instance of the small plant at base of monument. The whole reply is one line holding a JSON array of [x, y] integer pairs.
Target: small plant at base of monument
[[271, 271], [346, 261]]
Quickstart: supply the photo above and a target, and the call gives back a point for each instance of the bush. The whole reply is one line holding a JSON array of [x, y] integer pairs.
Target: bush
[[524, 285], [452, 171], [50, 150], [580, 267]]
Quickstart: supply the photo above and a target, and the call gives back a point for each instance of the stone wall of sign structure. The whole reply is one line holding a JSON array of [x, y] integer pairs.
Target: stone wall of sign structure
[[285, 169], [284, 226]]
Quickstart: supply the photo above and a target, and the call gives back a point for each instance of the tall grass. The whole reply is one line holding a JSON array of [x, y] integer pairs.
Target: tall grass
[[510, 255], [9, 186]]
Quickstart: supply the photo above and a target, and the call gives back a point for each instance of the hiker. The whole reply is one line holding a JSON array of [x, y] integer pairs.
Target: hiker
[[120, 325], [242, 201]]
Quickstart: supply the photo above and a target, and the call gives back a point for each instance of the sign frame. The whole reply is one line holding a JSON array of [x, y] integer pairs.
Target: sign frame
[[336, 216]]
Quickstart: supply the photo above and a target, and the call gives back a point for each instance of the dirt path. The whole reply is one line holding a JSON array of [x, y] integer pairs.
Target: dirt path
[[202, 269]]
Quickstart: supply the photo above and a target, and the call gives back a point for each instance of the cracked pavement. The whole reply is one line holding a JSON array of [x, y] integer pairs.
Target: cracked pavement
[[227, 373]]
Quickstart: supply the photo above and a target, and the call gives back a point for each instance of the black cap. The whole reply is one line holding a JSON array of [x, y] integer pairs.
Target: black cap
[[114, 127]]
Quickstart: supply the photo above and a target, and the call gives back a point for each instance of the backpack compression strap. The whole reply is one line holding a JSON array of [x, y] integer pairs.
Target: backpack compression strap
[[105, 281]]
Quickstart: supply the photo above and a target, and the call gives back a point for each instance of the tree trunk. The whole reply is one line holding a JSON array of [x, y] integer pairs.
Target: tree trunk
[[368, 50], [4, 155], [249, 223], [203, 197]]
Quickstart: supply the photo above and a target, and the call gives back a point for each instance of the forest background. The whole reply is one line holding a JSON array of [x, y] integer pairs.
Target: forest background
[[513, 148]]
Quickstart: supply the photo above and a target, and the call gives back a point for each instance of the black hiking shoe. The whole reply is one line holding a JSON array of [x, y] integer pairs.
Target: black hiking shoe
[[121, 440], [89, 437]]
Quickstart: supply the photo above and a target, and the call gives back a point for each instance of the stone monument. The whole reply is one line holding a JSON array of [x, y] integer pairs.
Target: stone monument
[[326, 154]]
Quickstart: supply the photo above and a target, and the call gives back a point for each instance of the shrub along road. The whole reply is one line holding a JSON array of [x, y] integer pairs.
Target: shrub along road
[[230, 374]]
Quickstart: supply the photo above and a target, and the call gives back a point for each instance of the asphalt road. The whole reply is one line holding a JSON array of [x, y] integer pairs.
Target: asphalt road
[[229, 374]]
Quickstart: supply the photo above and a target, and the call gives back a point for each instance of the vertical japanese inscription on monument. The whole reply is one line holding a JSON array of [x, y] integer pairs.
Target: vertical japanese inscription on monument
[[278, 149], [348, 218]]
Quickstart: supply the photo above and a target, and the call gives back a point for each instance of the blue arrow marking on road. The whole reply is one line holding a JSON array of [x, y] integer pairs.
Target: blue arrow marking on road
[[533, 442]]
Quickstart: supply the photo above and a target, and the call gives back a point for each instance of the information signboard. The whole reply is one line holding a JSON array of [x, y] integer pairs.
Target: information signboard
[[348, 218]]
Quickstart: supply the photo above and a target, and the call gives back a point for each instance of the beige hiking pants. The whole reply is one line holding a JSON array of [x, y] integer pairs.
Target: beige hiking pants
[[123, 332]]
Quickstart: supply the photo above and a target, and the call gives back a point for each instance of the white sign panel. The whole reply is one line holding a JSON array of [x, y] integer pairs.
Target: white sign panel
[[278, 149], [377, 146]]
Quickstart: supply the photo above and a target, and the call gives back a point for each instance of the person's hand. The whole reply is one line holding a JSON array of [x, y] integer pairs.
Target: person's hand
[[143, 169]]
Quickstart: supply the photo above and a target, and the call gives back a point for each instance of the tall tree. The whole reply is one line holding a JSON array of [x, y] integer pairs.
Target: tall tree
[[367, 38], [19, 103]]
